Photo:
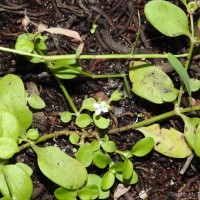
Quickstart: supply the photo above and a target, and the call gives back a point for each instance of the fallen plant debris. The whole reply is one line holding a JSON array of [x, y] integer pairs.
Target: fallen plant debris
[[71, 144]]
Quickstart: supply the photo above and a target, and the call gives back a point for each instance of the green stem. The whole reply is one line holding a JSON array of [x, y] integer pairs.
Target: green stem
[[67, 95], [112, 131], [153, 119], [74, 56], [189, 57]]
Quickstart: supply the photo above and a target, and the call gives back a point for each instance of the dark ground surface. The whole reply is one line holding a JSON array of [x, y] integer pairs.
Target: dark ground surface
[[159, 176]]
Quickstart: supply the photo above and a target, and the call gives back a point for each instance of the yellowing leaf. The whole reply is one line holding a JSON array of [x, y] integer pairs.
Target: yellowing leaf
[[169, 142]]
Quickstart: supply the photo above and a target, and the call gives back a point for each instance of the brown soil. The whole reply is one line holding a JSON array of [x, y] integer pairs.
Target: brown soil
[[159, 176]]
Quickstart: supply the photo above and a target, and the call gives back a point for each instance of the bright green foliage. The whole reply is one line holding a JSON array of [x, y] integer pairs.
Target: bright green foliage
[[12, 95], [101, 122], [85, 154], [132, 180], [101, 160], [25, 167], [108, 146], [66, 116], [95, 145], [83, 120], [15, 182], [143, 147], [61, 168], [177, 65], [32, 134], [88, 104], [65, 194], [127, 169], [194, 84], [36, 101], [167, 18], [115, 96], [108, 180], [191, 132], [88, 192], [74, 138], [151, 83], [61, 68], [118, 167], [192, 7], [167, 141], [32, 43]]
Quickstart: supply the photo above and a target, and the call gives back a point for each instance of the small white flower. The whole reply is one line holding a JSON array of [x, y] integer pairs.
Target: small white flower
[[100, 107]]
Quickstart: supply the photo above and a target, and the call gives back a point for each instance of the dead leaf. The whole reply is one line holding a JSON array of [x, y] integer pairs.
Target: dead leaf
[[120, 190]]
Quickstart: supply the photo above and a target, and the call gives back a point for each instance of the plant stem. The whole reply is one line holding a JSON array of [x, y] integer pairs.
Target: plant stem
[[67, 95], [153, 119], [74, 56], [189, 57], [112, 131]]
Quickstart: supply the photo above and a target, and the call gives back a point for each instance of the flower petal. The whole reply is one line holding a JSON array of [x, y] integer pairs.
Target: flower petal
[[98, 111], [104, 109], [96, 105], [103, 103]]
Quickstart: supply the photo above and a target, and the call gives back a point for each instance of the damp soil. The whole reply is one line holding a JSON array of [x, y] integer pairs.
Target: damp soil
[[117, 24]]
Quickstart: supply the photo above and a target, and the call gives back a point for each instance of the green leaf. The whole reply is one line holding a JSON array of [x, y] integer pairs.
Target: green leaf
[[74, 138], [95, 145], [83, 120], [132, 180], [115, 96], [35, 101], [167, 141], [85, 154], [109, 146], [61, 168], [190, 129], [101, 160], [8, 147], [118, 167], [12, 95], [194, 84], [108, 180], [197, 141], [177, 65], [101, 122], [32, 134], [94, 179], [88, 104], [66, 116], [88, 192], [127, 169], [25, 167], [65, 194], [151, 83], [24, 45], [143, 147], [17, 181], [6, 130], [167, 18]]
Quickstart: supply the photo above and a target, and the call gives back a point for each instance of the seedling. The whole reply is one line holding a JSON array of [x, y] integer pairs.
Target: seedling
[[91, 147]]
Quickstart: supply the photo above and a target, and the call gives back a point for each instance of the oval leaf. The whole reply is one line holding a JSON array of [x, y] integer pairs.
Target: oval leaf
[[66, 116], [167, 18], [65, 194], [88, 104], [108, 180], [60, 168], [167, 141], [127, 169], [109, 146], [143, 147], [101, 122], [85, 154], [36, 101], [18, 182], [151, 83], [83, 120], [101, 160]]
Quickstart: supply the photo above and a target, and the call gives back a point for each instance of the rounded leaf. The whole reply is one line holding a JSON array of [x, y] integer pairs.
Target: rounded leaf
[[35, 101], [83, 120], [88, 192], [143, 147], [66, 116], [74, 138], [109, 146], [101, 122], [61, 168], [24, 45], [19, 184], [118, 167], [167, 18], [25, 167], [8, 147], [127, 169], [101, 160], [108, 180], [32, 134], [151, 83], [132, 180], [88, 104], [85, 154], [65, 194]]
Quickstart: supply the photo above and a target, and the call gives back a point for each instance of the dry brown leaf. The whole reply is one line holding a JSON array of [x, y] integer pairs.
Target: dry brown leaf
[[120, 190]]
